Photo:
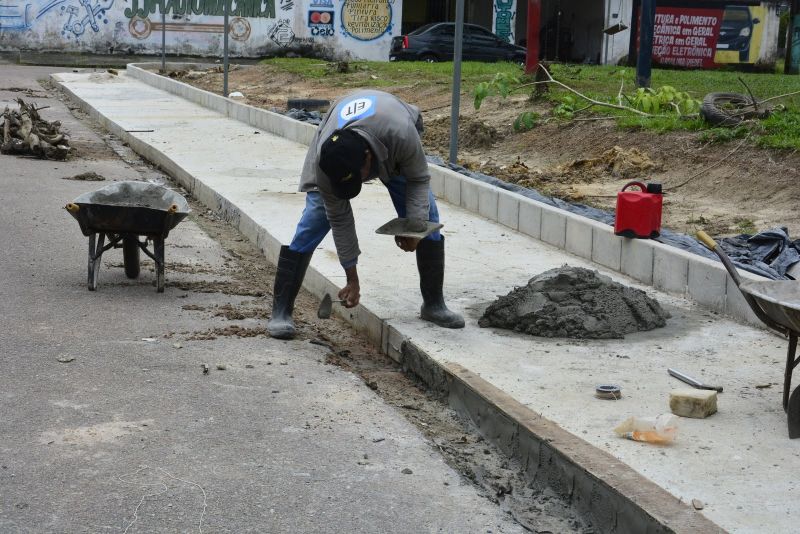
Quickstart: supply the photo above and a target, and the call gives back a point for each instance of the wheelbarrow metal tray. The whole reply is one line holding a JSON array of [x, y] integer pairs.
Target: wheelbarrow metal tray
[[780, 300], [138, 208]]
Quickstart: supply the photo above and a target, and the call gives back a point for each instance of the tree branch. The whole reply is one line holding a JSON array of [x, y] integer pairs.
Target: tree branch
[[779, 96], [550, 79]]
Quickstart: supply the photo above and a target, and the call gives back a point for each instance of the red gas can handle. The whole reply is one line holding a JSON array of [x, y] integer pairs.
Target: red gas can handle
[[640, 184]]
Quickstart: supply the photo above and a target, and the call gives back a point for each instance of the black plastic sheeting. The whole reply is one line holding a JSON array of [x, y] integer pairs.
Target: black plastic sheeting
[[769, 254], [311, 117]]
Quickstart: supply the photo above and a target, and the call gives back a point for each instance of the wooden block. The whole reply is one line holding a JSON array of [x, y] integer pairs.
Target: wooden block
[[696, 403]]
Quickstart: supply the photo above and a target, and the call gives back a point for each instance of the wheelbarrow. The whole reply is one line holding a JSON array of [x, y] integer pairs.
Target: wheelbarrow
[[777, 304], [122, 212]]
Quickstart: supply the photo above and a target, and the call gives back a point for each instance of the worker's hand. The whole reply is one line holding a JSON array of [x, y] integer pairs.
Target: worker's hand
[[351, 293], [409, 244]]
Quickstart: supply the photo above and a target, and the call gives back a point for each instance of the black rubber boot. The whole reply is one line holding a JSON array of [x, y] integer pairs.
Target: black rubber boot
[[430, 263], [288, 279]]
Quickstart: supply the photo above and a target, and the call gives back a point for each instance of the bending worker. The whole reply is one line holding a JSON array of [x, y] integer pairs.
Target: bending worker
[[367, 134]]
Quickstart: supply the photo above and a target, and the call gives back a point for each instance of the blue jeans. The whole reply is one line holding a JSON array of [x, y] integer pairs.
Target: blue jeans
[[314, 225]]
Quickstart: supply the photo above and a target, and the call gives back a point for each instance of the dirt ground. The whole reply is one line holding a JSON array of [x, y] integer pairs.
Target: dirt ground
[[732, 188]]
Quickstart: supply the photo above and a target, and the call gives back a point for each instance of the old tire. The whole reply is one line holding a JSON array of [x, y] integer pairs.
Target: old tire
[[726, 109], [130, 256]]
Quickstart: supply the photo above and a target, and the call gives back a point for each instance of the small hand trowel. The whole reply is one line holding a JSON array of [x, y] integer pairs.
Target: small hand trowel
[[416, 228], [326, 306]]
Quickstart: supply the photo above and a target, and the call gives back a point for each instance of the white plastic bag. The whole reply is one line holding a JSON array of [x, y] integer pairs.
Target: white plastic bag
[[660, 429]]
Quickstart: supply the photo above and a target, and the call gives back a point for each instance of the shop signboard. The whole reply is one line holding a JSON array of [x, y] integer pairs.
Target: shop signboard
[[708, 36]]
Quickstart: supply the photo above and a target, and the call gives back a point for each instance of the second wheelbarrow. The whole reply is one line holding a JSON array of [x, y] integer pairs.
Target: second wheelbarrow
[[122, 212], [777, 304]]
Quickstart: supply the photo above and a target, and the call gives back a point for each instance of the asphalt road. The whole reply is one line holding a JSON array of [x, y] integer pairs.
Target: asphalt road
[[108, 424]]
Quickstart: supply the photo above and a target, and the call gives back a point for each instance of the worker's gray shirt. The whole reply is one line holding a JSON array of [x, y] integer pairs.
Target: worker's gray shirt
[[392, 129]]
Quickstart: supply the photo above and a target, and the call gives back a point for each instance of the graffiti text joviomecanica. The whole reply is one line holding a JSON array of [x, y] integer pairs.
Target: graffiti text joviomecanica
[[236, 8]]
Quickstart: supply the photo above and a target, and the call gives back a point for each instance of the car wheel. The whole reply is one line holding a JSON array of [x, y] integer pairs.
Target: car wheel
[[429, 58]]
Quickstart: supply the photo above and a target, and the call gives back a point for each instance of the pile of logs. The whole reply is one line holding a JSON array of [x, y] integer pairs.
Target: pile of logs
[[26, 133]]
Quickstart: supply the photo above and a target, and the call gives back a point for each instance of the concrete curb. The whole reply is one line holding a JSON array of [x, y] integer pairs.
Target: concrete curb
[[616, 497], [666, 268]]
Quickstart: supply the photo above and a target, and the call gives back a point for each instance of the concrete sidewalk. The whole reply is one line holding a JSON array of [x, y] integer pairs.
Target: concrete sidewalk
[[739, 463]]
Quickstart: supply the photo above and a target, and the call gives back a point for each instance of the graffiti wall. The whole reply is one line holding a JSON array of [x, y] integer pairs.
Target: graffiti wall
[[503, 19], [341, 29]]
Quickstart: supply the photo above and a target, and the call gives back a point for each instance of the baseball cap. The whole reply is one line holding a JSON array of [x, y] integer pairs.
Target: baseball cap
[[341, 157]]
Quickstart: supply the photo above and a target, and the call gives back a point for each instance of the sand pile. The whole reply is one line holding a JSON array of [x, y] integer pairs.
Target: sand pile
[[615, 161], [576, 303]]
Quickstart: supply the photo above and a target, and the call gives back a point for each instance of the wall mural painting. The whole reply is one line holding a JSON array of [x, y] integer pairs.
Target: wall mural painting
[[238, 28], [320, 23], [15, 15], [366, 20], [256, 25], [281, 33], [82, 15], [140, 26], [214, 8], [85, 15], [21, 15]]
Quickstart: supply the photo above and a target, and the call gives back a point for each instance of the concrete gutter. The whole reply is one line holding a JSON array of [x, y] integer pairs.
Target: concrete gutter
[[661, 266], [616, 497]]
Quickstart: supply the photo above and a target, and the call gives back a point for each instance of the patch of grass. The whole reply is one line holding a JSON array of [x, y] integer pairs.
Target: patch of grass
[[781, 130], [723, 135], [745, 226], [385, 74], [659, 124], [699, 220], [599, 80], [526, 121]]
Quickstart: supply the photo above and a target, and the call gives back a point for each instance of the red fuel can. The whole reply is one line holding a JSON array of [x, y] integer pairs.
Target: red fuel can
[[639, 212]]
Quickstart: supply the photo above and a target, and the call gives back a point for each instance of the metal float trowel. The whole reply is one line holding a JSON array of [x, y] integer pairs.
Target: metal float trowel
[[416, 228]]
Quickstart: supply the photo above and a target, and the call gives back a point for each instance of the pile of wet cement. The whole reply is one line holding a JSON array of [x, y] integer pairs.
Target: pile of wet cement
[[576, 303]]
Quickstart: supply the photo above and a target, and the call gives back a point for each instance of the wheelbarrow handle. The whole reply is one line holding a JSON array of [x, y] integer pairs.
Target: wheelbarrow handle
[[707, 240], [726, 261]]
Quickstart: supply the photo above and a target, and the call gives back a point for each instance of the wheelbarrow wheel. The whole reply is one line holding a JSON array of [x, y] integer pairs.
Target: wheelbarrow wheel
[[158, 252], [130, 256], [793, 414], [95, 252]]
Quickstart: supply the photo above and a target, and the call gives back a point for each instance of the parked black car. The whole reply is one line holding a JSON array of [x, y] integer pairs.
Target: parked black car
[[736, 31], [435, 42]]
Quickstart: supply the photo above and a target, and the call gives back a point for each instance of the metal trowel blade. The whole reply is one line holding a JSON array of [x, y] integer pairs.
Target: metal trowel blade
[[325, 307], [418, 229]]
